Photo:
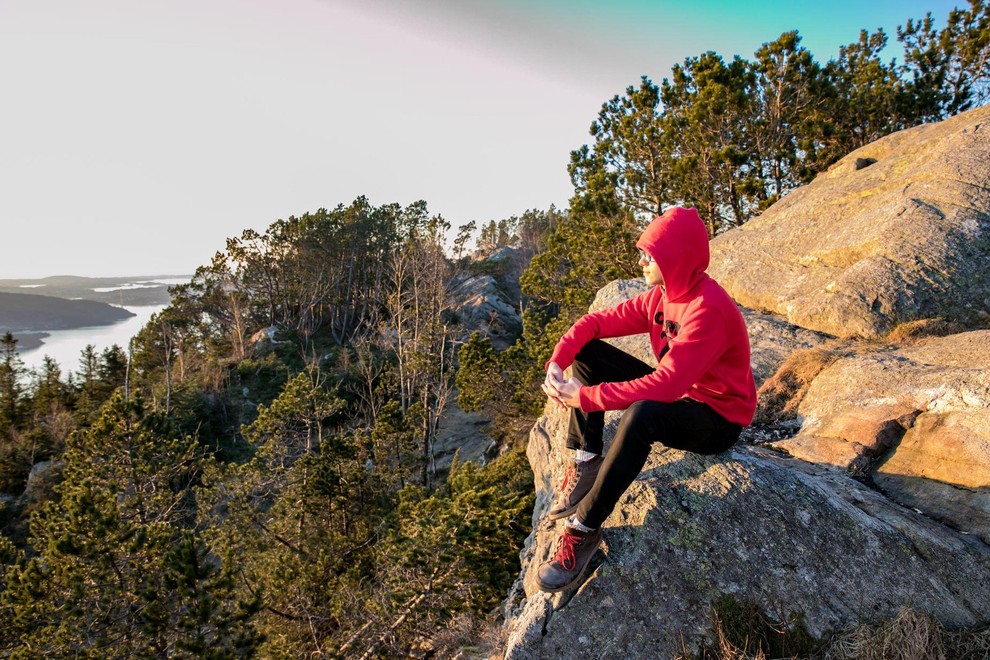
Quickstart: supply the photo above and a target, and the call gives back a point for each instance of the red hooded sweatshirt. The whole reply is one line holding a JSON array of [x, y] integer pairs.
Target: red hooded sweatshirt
[[696, 330]]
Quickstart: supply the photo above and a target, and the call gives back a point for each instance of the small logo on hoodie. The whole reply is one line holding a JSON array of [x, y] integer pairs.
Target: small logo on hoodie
[[671, 328]]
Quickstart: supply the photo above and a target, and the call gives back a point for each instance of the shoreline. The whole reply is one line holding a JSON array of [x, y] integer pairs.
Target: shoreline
[[28, 340]]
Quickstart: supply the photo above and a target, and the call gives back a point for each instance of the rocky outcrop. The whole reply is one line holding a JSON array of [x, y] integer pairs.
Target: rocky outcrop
[[462, 434], [787, 535], [915, 419], [795, 537], [860, 250], [481, 307], [42, 479], [265, 338], [942, 468]]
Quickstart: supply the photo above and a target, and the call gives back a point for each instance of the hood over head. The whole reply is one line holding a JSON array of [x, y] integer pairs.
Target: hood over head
[[678, 241]]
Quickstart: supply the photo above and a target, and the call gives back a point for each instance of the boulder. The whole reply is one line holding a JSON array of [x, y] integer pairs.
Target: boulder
[[263, 340], [915, 419], [42, 479], [796, 538], [939, 374], [789, 536], [461, 433], [864, 248], [942, 468]]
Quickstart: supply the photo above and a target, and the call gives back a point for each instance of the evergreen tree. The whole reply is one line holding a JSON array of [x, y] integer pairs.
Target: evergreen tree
[[49, 391], [949, 67], [785, 130], [11, 388], [632, 158], [464, 233], [299, 516], [114, 573], [870, 100], [451, 550]]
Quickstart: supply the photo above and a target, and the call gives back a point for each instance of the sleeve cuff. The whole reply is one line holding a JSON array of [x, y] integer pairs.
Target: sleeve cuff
[[587, 399]]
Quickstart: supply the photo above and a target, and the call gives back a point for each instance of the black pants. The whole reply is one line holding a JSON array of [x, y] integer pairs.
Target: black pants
[[683, 424]]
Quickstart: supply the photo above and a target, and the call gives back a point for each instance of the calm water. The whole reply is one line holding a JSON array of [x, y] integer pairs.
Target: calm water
[[66, 345]]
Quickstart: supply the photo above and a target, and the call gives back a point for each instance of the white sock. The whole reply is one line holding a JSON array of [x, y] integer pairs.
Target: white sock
[[581, 455], [576, 524]]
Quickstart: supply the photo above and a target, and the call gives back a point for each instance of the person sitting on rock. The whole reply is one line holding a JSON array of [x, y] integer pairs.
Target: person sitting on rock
[[698, 398]]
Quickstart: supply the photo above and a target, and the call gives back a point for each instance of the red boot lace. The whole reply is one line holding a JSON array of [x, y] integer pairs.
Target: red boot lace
[[568, 475], [565, 553]]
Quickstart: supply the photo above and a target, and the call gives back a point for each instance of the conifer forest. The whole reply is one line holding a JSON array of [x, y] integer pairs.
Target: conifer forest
[[255, 474]]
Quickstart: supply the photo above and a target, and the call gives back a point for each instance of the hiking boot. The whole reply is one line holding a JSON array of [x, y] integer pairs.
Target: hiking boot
[[578, 480], [568, 565]]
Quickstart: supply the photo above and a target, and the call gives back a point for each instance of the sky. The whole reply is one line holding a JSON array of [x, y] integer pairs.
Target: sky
[[136, 136]]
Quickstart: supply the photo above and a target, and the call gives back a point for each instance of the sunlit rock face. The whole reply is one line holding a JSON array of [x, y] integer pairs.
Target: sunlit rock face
[[480, 306], [788, 535], [794, 536], [859, 250], [915, 419]]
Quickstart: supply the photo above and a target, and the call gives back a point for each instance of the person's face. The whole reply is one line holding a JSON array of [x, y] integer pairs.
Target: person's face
[[651, 271]]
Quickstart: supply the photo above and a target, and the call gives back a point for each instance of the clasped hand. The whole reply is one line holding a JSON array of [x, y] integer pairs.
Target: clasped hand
[[564, 392]]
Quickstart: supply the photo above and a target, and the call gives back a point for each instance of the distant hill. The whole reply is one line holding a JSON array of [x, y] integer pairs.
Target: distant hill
[[30, 312], [134, 291]]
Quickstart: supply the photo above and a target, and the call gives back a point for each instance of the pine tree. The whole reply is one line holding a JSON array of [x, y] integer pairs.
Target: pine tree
[[300, 515], [11, 388], [115, 570]]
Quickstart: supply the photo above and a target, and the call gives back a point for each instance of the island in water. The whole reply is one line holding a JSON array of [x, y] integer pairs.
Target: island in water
[[31, 308]]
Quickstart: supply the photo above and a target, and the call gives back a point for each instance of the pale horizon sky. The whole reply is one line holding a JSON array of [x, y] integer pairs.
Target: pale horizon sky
[[136, 136]]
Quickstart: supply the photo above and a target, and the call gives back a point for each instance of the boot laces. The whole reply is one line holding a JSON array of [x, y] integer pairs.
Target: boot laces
[[569, 474], [565, 553]]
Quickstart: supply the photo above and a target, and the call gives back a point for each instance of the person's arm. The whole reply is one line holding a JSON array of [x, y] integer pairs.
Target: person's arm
[[702, 339], [629, 317]]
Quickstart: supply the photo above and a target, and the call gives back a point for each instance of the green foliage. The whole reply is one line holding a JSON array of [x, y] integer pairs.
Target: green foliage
[[462, 539], [506, 385], [203, 604], [949, 67], [394, 444], [732, 137], [98, 376], [49, 392], [464, 233], [11, 391], [18, 452], [587, 251], [481, 382], [116, 573], [299, 515], [262, 379]]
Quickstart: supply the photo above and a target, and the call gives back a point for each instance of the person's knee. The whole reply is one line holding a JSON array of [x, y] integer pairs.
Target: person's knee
[[636, 424], [583, 367], [642, 415]]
